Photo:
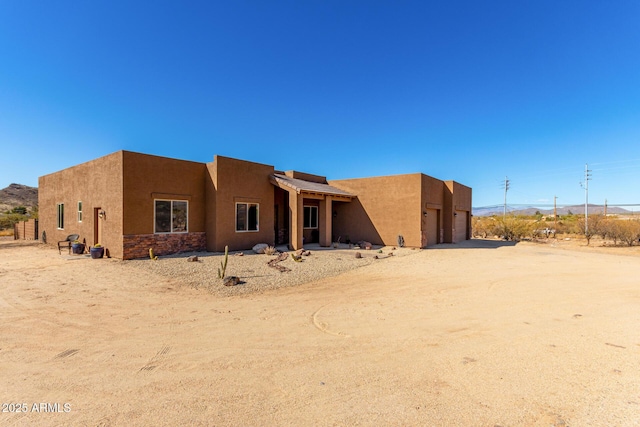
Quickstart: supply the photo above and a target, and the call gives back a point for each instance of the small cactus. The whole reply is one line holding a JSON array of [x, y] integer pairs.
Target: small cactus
[[223, 264]]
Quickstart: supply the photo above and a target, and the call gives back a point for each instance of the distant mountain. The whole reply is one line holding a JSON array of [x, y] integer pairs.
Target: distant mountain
[[18, 195], [561, 210]]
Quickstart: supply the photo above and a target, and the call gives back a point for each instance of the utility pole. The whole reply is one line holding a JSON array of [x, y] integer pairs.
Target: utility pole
[[555, 216], [587, 178], [506, 188]]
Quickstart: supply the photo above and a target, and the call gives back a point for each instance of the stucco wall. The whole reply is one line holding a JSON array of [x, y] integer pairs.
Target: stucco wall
[[98, 184], [147, 178], [241, 181], [385, 208], [432, 203]]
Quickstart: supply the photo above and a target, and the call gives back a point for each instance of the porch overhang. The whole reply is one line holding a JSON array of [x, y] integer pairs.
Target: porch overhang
[[310, 190]]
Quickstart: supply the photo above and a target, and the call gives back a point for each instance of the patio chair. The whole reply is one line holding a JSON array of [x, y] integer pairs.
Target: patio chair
[[68, 242]]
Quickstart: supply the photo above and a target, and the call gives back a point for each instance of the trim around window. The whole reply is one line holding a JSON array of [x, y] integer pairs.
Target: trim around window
[[170, 216], [60, 209], [310, 217], [247, 217]]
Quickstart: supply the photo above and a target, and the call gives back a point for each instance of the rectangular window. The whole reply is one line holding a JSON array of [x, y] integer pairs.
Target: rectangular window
[[79, 211], [60, 216], [247, 217], [310, 217], [171, 216]]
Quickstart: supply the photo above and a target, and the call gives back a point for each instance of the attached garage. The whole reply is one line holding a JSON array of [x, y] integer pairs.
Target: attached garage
[[461, 225], [432, 226]]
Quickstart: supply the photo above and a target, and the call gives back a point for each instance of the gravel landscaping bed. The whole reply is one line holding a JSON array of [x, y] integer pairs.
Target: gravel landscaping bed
[[254, 273]]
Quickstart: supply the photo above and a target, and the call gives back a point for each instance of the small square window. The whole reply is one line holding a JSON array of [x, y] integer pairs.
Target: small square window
[[247, 216]]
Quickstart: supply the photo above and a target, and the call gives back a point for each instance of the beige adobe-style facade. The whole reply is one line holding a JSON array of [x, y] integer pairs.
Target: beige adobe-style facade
[[130, 202]]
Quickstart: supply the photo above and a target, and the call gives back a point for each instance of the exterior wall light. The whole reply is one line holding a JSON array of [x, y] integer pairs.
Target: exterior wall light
[[455, 214], [424, 213], [102, 214]]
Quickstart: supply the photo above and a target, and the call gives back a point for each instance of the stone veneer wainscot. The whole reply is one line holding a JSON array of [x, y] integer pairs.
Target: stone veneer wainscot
[[138, 245]]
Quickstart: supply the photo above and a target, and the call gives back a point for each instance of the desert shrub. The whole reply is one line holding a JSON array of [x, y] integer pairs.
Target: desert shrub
[[591, 228], [483, 226], [8, 220], [515, 228], [270, 250], [629, 231], [613, 230]]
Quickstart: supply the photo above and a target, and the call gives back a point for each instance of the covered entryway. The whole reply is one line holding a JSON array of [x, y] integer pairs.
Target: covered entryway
[[308, 208]]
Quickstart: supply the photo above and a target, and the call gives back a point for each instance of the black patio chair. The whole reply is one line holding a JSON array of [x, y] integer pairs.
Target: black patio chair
[[66, 243]]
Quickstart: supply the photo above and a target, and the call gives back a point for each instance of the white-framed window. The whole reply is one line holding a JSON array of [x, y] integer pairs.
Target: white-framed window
[[79, 211], [60, 208], [310, 217], [247, 217], [171, 216]]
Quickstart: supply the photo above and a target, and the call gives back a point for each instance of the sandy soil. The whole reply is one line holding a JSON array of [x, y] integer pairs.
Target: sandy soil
[[479, 334]]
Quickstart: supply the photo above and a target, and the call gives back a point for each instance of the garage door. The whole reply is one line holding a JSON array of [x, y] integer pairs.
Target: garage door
[[432, 227], [461, 225]]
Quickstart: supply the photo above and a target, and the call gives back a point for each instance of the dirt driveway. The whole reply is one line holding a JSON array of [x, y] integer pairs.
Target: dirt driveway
[[478, 334]]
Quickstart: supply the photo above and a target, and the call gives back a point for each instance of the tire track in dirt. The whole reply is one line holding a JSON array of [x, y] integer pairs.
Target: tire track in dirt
[[324, 327], [156, 360], [67, 353]]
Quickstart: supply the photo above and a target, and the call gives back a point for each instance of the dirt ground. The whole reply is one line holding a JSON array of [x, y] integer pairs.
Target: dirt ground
[[483, 333]]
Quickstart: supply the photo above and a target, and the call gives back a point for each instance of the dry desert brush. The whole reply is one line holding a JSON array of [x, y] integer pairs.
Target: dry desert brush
[[270, 250]]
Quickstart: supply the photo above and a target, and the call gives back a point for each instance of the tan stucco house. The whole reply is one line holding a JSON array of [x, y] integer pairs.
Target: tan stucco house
[[130, 202]]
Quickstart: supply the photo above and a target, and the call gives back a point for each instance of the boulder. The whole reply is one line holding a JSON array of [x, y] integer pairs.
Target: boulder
[[260, 247], [192, 258], [358, 255]]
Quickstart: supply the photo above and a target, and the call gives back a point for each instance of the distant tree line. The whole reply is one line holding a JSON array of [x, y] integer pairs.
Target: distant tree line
[[619, 230], [15, 215]]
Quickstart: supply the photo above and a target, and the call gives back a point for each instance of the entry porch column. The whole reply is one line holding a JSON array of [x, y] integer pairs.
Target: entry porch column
[[296, 220]]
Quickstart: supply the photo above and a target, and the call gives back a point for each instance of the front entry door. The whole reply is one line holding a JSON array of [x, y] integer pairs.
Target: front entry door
[[97, 226]]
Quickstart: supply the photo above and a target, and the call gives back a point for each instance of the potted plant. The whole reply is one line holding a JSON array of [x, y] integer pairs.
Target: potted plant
[[77, 247], [97, 251]]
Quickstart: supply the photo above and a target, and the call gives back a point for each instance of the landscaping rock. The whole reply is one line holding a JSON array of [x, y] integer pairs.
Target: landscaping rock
[[231, 281], [358, 255], [260, 247], [192, 258]]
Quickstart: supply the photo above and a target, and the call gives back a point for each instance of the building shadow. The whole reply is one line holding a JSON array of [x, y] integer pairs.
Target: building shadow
[[475, 244]]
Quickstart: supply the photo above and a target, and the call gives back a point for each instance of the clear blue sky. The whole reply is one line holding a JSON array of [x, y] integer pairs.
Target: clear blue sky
[[466, 90]]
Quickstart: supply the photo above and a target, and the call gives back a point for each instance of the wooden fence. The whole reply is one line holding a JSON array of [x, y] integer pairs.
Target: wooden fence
[[26, 230]]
